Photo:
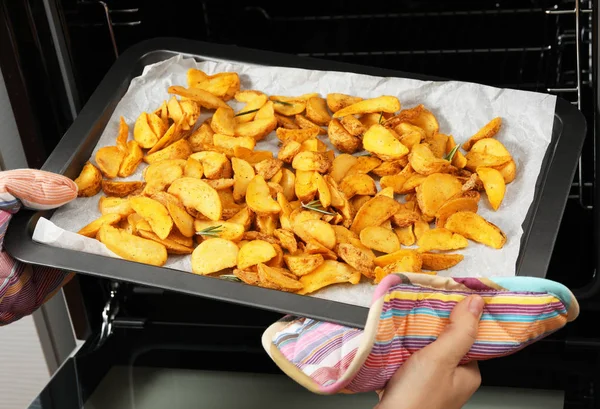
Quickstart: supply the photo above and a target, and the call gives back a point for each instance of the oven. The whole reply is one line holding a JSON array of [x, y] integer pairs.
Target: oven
[[148, 348]]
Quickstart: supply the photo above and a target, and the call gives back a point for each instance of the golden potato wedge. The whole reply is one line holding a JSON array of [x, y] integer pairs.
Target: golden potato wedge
[[182, 219], [410, 139], [411, 263], [494, 185], [215, 164], [341, 138], [337, 101], [131, 247], [257, 129], [508, 171], [133, 157], [89, 181], [410, 259], [258, 197], [201, 137], [298, 135], [311, 161], [479, 160], [380, 239], [143, 134], [316, 111], [277, 279], [373, 118], [249, 276], [426, 121], [174, 133], [254, 101], [406, 235], [289, 149], [91, 229], [224, 230], [363, 165], [193, 169], [202, 97], [358, 201], [435, 190], [172, 246], [243, 217], [243, 173], [341, 165], [440, 261], [109, 160], [382, 142], [374, 213], [488, 131], [423, 161], [179, 150], [154, 213], [441, 239], [197, 194], [353, 126], [303, 123], [420, 227], [123, 134], [437, 144], [359, 184], [322, 190], [204, 261], [357, 258], [328, 273], [405, 128], [288, 184], [253, 253], [223, 122], [305, 186], [267, 223], [120, 189], [458, 160], [318, 230], [412, 183], [476, 228], [220, 184], [405, 216], [286, 122], [459, 203], [268, 168], [287, 106], [384, 103], [303, 264], [161, 174], [118, 205], [223, 85]]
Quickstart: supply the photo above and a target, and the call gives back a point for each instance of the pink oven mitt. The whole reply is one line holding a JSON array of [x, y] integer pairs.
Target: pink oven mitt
[[408, 312], [24, 288]]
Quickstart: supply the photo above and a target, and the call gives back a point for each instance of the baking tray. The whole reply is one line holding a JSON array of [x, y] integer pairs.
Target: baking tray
[[540, 227]]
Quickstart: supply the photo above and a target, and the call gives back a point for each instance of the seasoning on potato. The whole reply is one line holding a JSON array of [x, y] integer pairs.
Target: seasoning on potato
[[305, 217]]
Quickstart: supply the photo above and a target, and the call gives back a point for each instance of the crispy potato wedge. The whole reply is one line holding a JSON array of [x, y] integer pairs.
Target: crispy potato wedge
[[412, 183], [439, 261], [143, 134], [287, 240], [328, 273], [411, 263], [89, 181], [288, 184], [404, 128], [357, 258], [215, 164], [258, 197], [154, 213], [223, 122], [441, 239], [133, 157], [298, 135], [286, 122], [459, 203], [117, 205], [437, 144], [249, 276], [182, 219], [288, 106], [91, 229], [172, 246], [487, 152], [120, 189], [508, 171], [384, 143], [268, 168], [374, 213], [406, 235], [494, 185], [230, 142], [401, 257], [305, 186], [316, 111], [380, 239], [420, 228], [256, 129], [289, 149], [363, 165], [203, 258], [476, 228], [193, 169], [253, 253], [197, 194], [303, 264], [254, 100], [353, 126], [243, 217], [389, 168], [337, 101], [426, 121], [131, 247], [341, 165], [341, 138], [488, 131], [304, 123], [109, 160], [358, 201], [318, 230], [277, 279], [179, 150], [220, 184], [202, 97], [201, 137], [435, 190], [311, 161], [243, 173], [322, 190], [224, 230], [458, 160], [223, 85], [174, 133], [380, 104], [423, 161], [359, 184], [266, 223], [161, 174]]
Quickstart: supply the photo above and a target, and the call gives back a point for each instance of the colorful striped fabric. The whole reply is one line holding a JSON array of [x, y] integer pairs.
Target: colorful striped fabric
[[24, 288], [409, 312]]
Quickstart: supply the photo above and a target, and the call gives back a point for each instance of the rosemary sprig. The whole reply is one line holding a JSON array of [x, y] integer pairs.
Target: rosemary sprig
[[212, 231], [282, 102], [380, 117], [450, 155], [230, 277], [246, 112], [316, 206]]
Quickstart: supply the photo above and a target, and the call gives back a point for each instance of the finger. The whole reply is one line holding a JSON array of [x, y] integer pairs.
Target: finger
[[468, 376], [461, 332]]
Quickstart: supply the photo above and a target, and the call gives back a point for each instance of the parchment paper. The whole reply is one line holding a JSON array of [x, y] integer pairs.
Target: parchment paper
[[461, 109]]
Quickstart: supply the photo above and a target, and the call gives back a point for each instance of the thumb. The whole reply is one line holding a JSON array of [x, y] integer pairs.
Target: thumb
[[460, 334]]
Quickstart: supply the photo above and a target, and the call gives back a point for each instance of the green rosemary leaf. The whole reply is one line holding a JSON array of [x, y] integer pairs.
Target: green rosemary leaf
[[230, 277], [246, 112], [316, 206], [212, 231], [450, 155], [380, 117]]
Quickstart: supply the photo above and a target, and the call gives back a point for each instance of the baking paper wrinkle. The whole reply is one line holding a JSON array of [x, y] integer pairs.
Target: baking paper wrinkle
[[461, 108]]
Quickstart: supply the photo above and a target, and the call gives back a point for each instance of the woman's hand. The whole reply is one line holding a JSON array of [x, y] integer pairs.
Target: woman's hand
[[432, 378]]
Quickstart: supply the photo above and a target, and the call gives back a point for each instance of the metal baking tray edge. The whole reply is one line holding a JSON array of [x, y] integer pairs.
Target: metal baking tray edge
[[540, 227]]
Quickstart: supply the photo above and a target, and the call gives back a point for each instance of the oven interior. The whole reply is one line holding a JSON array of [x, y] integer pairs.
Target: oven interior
[[535, 45]]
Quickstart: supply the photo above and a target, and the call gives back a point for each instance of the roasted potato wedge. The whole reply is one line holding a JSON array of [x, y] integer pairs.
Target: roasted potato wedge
[[288, 106], [439, 261], [459, 203], [476, 228], [406, 235], [89, 181], [224, 230], [341, 138], [117, 205], [288, 184], [458, 160], [380, 104], [120, 189], [268, 168], [223, 85], [316, 111], [303, 264], [407, 258], [508, 171], [435, 190], [258, 197], [304, 123], [172, 246], [423, 161], [357, 258], [215, 164], [380, 239], [154, 213], [374, 213], [359, 184], [179, 150], [317, 230], [363, 165], [494, 185], [277, 279], [91, 229], [298, 135], [311, 161], [336, 101], [203, 258], [384, 143], [353, 126], [441, 239], [131, 247], [199, 195], [328, 273], [305, 186], [341, 165], [488, 131], [202, 97], [254, 101], [223, 122], [133, 157], [253, 253], [109, 160]]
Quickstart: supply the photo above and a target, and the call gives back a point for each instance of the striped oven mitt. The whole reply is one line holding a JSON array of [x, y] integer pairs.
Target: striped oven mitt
[[24, 288], [408, 312]]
